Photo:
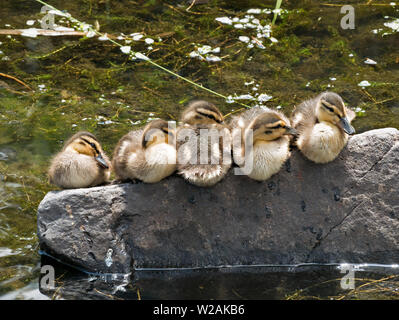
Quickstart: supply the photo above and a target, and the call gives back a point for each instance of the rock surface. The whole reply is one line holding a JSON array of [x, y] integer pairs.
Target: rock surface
[[344, 211]]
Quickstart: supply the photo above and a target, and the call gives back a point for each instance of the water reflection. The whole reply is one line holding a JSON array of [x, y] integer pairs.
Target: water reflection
[[306, 281]]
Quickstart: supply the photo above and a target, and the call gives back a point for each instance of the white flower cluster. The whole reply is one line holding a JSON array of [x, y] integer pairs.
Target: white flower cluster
[[393, 25], [205, 53], [258, 30], [260, 98]]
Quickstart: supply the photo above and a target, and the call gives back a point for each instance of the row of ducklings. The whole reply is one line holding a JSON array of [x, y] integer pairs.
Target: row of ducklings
[[320, 127]]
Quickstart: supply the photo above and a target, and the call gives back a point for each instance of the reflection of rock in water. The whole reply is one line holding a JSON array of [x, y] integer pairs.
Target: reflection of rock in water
[[295, 282], [73, 284]]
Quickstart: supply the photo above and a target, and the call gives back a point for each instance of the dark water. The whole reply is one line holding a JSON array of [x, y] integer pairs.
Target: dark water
[[86, 84]]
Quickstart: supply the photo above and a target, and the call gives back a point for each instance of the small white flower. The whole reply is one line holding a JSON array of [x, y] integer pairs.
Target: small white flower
[[254, 11], [103, 37], [244, 97], [90, 34], [244, 39], [30, 22], [204, 49], [364, 83], [213, 58], [264, 97], [149, 40], [126, 49], [137, 37], [225, 20], [31, 33], [369, 61], [193, 54], [141, 56]]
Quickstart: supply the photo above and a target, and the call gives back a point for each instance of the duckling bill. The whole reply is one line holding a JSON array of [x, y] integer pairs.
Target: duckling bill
[[323, 124], [81, 163]]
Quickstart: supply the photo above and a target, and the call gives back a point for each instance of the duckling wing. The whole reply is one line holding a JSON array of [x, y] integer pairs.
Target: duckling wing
[[203, 158], [129, 143]]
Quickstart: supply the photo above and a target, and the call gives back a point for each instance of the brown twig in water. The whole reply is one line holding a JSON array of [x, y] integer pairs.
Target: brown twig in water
[[15, 79], [191, 5]]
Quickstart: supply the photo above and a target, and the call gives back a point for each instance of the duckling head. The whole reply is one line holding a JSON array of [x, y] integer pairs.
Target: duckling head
[[157, 131], [270, 126], [202, 112], [331, 108], [87, 144]]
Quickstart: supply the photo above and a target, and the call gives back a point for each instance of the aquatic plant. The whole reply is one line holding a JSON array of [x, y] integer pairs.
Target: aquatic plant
[[127, 49]]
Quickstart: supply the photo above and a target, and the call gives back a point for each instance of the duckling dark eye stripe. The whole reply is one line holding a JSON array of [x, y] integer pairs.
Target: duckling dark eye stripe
[[91, 144], [276, 127], [211, 116], [328, 108]]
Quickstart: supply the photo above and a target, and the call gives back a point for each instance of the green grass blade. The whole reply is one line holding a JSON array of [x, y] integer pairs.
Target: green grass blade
[[278, 5]]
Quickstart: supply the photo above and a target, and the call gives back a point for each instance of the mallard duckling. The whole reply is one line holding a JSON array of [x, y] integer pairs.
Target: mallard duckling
[[81, 163], [269, 132], [323, 125], [146, 154], [205, 158]]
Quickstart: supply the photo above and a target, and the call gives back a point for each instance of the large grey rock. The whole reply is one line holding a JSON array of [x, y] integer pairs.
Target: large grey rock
[[344, 211]]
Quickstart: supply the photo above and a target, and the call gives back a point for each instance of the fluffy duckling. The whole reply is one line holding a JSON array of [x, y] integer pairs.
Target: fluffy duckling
[[323, 125], [205, 158], [147, 154], [81, 163], [269, 131]]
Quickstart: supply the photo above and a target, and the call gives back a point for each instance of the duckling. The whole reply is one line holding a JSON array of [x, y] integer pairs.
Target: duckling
[[81, 163], [205, 158], [269, 130], [147, 154], [323, 124]]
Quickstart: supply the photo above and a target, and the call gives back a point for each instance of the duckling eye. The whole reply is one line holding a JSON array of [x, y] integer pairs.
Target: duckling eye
[[167, 132]]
